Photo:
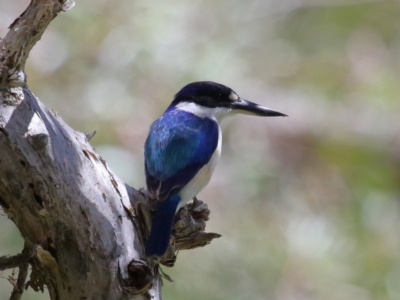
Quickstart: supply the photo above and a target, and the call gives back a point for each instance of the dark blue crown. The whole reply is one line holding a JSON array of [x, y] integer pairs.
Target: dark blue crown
[[205, 93]]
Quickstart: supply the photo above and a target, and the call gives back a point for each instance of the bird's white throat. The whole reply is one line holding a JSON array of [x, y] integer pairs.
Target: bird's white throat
[[204, 112]]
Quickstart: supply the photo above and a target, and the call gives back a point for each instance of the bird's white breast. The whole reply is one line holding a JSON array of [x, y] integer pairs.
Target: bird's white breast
[[203, 176]]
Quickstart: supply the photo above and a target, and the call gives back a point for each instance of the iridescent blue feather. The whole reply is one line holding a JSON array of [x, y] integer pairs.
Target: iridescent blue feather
[[178, 146]]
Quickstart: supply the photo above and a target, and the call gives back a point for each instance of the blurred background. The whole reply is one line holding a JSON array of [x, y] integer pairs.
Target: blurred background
[[308, 206]]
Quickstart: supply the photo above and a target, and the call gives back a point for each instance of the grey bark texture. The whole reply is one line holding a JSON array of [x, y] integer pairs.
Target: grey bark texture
[[84, 228]]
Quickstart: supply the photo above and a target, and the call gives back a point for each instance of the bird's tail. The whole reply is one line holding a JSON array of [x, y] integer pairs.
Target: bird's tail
[[162, 222]]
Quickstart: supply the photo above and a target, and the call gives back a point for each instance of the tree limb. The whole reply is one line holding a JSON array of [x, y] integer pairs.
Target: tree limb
[[85, 227], [24, 32], [18, 289], [10, 262]]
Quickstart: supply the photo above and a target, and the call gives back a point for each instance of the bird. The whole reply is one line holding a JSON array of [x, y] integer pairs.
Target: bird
[[182, 150]]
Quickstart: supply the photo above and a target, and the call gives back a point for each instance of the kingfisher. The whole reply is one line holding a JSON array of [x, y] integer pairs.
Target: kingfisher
[[182, 149]]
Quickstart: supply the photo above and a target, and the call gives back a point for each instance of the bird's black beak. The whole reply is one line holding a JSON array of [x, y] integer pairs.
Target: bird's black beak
[[242, 106]]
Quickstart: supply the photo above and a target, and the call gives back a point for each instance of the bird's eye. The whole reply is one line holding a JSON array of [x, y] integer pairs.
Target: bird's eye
[[233, 96]]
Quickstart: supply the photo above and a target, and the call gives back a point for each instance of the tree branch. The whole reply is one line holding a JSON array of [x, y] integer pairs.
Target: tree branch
[[20, 285], [85, 227], [9, 262], [22, 262], [24, 32]]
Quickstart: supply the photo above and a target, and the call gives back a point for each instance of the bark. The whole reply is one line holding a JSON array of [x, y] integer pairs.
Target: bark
[[84, 228]]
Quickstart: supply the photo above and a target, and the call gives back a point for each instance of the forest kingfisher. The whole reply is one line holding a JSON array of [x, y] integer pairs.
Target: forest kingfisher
[[183, 148]]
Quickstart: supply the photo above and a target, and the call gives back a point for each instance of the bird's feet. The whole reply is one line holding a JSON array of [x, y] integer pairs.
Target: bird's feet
[[188, 231]]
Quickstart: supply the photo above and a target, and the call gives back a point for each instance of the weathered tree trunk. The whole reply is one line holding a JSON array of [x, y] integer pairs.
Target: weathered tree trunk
[[83, 227], [73, 212]]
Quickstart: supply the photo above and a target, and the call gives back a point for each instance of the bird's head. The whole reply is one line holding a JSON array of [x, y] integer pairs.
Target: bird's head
[[211, 99]]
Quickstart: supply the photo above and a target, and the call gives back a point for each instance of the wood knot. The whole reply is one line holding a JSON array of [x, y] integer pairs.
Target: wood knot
[[40, 141], [140, 278]]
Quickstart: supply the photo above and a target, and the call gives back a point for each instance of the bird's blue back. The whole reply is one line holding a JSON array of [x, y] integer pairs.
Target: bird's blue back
[[178, 146]]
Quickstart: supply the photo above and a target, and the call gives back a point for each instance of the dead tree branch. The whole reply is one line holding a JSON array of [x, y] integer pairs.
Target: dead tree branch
[[83, 227], [10, 262], [19, 285]]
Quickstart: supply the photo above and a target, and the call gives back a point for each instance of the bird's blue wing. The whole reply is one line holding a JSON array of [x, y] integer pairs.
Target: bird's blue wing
[[178, 146]]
